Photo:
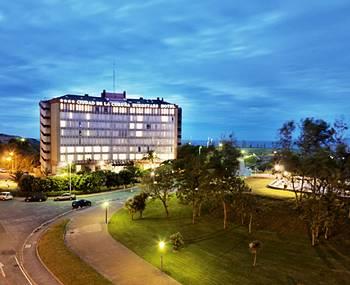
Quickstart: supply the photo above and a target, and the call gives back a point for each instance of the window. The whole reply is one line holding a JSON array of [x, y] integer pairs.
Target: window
[[148, 126], [79, 149], [88, 149], [105, 156], [97, 149], [63, 149], [97, 156], [70, 149], [139, 133], [132, 126], [138, 126], [63, 124], [105, 149]]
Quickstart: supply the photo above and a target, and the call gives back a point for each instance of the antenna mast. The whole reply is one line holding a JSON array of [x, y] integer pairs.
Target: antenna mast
[[114, 76]]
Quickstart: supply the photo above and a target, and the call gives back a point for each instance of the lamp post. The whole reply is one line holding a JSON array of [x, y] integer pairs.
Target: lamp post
[[105, 205], [161, 246], [70, 177]]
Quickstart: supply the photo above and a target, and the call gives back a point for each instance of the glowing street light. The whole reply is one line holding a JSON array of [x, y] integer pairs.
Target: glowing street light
[[279, 167], [161, 246], [105, 205]]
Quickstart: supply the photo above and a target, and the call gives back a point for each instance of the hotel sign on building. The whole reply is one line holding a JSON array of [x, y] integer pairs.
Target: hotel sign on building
[[108, 130]]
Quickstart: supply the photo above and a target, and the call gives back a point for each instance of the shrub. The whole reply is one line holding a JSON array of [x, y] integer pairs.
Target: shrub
[[177, 240]]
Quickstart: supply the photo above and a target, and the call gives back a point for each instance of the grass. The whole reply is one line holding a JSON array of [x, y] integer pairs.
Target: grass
[[215, 256], [259, 187], [65, 265], [7, 185]]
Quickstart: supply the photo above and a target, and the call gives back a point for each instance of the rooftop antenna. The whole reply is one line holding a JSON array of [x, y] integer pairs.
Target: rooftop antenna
[[114, 76]]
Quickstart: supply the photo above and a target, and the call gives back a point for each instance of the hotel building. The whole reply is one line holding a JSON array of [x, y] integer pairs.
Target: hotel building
[[110, 130]]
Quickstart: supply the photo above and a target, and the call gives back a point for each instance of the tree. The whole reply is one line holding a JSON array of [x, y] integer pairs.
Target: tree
[[221, 179], [190, 169], [319, 168], [26, 183], [136, 204], [161, 184]]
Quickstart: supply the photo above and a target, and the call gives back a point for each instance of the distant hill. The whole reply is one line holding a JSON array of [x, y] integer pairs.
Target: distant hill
[[4, 139]]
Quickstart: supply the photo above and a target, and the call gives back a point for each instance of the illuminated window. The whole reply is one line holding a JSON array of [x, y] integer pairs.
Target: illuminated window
[[63, 149], [70, 157], [97, 156], [70, 149], [139, 118], [139, 133], [164, 119], [97, 149], [79, 149], [62, 158], [122, 156], [88, 116], [132, 126], [105, 149], [115, 156], [63, 124], [88, 156], [105, 156], [88, 149], [139, 126]]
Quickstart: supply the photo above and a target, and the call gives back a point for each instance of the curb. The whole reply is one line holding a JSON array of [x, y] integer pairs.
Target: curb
[[20, 260]]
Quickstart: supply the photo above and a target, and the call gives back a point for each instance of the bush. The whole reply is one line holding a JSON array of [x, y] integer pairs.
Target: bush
[[177, 241]]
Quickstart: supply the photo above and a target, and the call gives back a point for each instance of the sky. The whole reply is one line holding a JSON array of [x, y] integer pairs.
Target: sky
[[241, 67]]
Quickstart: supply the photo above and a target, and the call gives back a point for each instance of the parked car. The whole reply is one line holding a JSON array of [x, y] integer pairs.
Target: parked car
[[81, 203], [4, 196], [65, 197], [38, 197]]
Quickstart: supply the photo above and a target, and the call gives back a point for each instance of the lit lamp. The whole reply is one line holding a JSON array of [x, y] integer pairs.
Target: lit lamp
[[105, 205], [161, 246]]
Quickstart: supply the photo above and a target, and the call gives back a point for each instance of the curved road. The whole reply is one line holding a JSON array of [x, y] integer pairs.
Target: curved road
[[18, 220]]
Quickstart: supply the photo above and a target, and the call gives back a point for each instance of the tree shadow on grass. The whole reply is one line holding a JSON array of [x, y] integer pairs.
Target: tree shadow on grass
[[209, 236]]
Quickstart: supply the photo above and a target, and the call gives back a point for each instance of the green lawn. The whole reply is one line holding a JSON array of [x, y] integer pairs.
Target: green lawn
[[259, 187], [214, 256], [68, 267]]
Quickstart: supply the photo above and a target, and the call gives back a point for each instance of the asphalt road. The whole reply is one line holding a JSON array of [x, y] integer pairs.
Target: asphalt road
[[18, 219]]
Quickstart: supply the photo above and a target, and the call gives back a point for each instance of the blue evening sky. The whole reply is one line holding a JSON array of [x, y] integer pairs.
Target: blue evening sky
[[233, 66]]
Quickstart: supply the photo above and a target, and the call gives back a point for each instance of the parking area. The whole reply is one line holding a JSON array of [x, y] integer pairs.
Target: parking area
[[18, 219]]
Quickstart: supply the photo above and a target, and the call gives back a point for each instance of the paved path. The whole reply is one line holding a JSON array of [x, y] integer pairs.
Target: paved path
[[88, 237]]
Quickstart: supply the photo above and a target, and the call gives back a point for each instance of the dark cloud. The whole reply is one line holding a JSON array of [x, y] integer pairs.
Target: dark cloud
[[242, 67]]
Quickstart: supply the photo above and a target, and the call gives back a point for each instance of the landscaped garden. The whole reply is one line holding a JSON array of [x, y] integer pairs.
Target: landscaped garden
[[212, 255]]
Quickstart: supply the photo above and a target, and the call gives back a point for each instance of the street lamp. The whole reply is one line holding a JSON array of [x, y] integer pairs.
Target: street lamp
[[105, 205], [161, 246], [69, 165]]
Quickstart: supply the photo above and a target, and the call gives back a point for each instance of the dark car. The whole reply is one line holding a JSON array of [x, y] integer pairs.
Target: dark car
[[36, 198], [81, 203]]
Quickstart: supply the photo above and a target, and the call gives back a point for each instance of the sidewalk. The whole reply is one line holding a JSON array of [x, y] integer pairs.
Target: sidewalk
[[88, 237]]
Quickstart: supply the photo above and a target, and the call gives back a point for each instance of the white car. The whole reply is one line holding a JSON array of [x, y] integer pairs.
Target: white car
[[65, 197], [6, 196]]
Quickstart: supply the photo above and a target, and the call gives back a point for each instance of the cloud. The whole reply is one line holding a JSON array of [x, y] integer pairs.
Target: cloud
[[244, 67]]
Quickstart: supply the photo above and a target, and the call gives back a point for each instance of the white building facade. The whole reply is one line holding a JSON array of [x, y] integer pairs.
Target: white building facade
[[109, 130]]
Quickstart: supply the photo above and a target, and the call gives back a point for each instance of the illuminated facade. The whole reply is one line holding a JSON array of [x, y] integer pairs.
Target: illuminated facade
[[109, 130]]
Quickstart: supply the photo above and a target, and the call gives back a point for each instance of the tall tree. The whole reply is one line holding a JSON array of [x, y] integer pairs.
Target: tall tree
[[160, 184]]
